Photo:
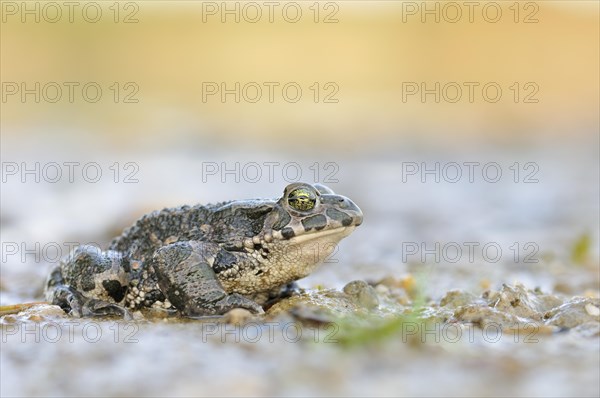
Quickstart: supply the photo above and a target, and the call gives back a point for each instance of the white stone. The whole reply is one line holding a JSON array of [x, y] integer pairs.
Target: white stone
[[592, 310]]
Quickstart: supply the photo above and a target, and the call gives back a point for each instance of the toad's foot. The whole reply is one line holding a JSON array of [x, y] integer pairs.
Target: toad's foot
[[77, 305]]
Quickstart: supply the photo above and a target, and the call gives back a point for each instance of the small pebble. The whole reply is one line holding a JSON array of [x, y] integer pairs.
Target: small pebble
[[592, 310], [8, 319], [238, 316], [362, 293], [382, 289]]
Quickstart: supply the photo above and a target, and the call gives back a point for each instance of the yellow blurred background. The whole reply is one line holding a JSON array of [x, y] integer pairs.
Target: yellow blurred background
[[366, 58]]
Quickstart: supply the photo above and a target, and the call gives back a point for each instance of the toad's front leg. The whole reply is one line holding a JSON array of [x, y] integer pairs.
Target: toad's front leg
[[186, 278]]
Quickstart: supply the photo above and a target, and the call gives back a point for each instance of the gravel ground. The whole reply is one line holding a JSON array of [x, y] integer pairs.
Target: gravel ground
[[490, 325]]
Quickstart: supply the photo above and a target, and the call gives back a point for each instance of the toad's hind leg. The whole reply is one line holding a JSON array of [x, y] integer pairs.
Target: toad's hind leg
[[90, 282], [189, 282]]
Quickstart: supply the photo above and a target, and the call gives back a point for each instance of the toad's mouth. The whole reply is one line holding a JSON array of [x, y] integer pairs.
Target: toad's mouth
[[308, 236]]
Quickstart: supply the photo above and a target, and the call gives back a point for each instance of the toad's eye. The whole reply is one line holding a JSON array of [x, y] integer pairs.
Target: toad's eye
[[302, 199]]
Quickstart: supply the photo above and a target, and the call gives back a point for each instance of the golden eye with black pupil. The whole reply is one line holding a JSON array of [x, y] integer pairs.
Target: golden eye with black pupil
[[302, 199]]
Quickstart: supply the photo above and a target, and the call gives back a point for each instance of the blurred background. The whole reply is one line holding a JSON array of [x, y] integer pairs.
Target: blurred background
[[369, 51], [190, 102]]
